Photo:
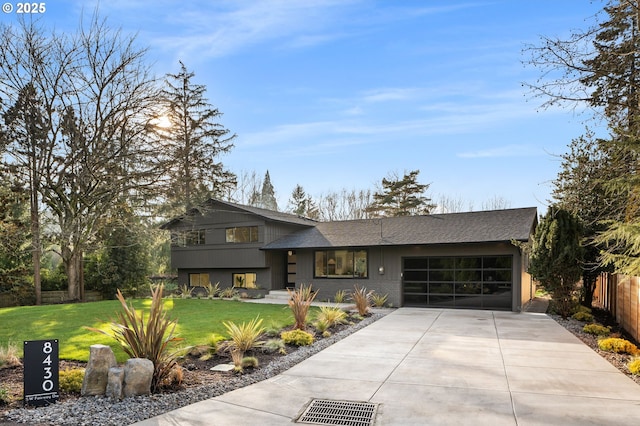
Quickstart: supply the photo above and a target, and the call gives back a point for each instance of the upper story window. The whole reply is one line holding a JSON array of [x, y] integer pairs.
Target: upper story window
[[188, 238], [340, 264], [242, 234]]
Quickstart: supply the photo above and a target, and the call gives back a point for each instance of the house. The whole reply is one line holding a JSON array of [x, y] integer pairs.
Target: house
[[456, 260]]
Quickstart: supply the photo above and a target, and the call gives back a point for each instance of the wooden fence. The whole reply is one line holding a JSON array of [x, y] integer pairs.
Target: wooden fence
[[51, 297], [620, 295]]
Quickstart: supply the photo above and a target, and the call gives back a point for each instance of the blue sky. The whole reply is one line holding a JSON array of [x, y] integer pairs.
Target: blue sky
[[334, 94]]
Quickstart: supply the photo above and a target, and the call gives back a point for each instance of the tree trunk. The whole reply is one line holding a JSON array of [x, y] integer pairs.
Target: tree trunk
[[72, 260]]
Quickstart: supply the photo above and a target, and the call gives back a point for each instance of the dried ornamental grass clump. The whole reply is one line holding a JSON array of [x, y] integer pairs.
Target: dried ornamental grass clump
[[617, 345], [597, 329]]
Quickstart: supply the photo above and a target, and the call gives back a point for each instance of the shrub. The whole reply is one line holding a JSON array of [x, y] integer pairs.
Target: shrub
[[634, 366], [321, 325], [214, 341], [250, 361], [70, 380], [274, 345], [362, 299], [596, 329], [212, 290], [582, 308], [9, 356], [379, 300], [332, 316], [582, 316], [617, 345], [185, 292], [273, 329], [340, 296], [299, 302], [243, 338], [150, 339], [297, 337], [228, 293]]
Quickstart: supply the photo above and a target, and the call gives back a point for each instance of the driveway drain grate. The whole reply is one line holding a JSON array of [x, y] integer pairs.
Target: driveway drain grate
[[347, 413]]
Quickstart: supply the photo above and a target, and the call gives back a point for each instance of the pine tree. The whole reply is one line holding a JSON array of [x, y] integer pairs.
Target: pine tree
[[556, 254], [268, 194], [401, 197], [194, 140]]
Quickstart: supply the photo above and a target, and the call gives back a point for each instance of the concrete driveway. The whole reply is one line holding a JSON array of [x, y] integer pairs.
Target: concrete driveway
[[438, 367]]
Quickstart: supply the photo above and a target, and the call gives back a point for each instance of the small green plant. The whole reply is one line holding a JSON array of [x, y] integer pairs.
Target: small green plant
[[212, 290], [331, 315], [70, 380], [297, 337], [9, 356], [634, 366], [5, 397], [582, 308], [596, 329], [228, 293], [146, 338], [273, 329], [214, 340], [243, 338], [321, 325], [379, 300], [250, 362], [185, 292], [340, 296], [274, 345], [362, 298], [326, 334], [299, 301], [582, 316], [617, 345]]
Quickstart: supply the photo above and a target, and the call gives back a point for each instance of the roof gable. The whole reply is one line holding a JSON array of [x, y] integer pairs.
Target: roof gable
[[213, 204]]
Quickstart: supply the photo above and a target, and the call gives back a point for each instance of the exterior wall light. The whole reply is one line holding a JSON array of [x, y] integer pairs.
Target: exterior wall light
[[381, 270]]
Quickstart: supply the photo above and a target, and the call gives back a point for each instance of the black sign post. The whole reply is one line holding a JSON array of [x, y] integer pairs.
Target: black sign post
[[41, 369]]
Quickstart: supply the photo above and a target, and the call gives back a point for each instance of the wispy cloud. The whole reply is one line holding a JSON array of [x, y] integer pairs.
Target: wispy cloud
[[504, 151]]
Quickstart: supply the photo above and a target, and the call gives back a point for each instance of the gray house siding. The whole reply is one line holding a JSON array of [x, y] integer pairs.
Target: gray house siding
[[390, 282]]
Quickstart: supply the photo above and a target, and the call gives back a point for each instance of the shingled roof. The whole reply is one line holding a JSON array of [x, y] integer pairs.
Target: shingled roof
[[452, 228], [214, 204]]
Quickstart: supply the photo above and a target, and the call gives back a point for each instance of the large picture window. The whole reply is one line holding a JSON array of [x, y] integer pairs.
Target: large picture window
[[242, 234], [341, 264]]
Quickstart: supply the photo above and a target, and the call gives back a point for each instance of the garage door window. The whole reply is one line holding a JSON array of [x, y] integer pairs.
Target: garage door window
[[461, 282]]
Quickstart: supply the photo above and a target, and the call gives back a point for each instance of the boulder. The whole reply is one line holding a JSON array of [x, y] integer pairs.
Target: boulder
[[101, 359], [115, 382], [138, 373]]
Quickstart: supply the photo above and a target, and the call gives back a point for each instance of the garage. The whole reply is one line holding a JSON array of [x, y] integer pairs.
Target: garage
[[473, 282]]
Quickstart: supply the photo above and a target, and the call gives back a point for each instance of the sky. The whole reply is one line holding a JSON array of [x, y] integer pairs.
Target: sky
[[338, 94]]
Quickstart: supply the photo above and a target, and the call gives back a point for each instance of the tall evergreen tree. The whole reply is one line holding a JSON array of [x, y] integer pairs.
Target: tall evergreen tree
[[268, 194], [401, 197], [302, 204], [193, 140], [556, 254], [600, 68]]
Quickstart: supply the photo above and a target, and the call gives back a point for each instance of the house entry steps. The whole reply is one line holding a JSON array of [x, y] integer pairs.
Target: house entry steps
[[345, 413]]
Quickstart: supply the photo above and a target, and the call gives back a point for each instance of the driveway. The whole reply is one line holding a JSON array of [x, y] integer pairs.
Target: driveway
[[420, 366]]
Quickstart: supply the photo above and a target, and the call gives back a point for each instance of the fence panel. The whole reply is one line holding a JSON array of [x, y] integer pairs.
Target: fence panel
[[620, 295]]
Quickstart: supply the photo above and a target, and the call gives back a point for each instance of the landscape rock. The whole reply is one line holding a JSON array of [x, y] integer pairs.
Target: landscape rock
[[115, 382], [101, 359], [138, 373]]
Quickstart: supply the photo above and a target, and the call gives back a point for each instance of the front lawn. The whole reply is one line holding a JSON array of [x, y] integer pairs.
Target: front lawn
[[197, 320]]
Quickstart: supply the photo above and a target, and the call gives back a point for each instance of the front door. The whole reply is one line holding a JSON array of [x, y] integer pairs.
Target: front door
[[291, 269]]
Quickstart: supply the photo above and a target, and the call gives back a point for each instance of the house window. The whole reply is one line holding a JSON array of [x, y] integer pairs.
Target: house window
[[188, 238], [242, 234], [198, 280], [245, 280], [340, 264]]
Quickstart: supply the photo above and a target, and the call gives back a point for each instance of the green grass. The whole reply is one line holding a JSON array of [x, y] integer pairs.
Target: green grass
[[197, 320]]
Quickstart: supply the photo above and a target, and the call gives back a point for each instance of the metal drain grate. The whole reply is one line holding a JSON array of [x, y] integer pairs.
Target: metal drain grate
[[347, 413]]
